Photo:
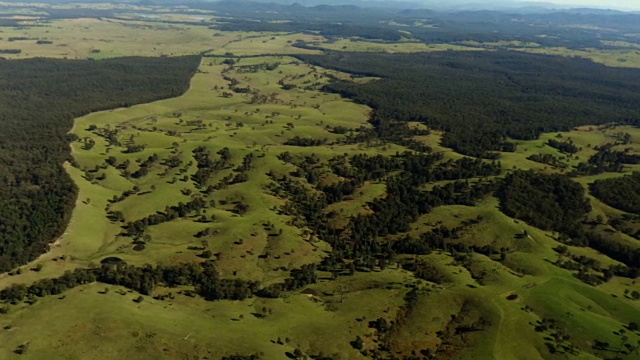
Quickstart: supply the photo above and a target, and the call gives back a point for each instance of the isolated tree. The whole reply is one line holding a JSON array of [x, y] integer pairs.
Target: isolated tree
[[358, 343]]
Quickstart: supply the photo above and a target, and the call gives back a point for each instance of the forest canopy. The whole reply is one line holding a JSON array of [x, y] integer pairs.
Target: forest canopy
[[39, 98], [550, 202], [622, 193], [483, 98]]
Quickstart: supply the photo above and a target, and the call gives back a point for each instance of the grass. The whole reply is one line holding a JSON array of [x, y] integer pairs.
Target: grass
[[97, 39], [187, 327], [399, 47], [589, 313]]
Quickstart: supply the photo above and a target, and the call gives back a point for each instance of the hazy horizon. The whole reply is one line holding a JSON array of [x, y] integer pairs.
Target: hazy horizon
[[633, 5], [613, 4]]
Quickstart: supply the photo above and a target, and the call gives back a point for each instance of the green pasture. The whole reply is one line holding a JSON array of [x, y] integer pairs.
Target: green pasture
[[87, 323], [93, 38], [358, 45]]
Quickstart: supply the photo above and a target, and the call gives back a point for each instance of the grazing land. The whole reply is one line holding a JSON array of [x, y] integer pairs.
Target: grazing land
[[301, 198]]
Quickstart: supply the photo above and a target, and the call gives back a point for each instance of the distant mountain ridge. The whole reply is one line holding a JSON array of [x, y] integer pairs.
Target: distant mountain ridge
[[457, 5]]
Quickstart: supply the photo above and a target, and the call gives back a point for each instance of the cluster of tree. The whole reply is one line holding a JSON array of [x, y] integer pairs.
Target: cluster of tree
[[207, 167], [547, 159], [564, 146], [424, 270], [622, 193], [361, 167], [145, 166], [20, 38], [247, 163], [402, 205], [172, 162], [138, 227], [242, 357], [304, 141], [298, 279], [483, 98], [443, 238], [404, 175], [203, 276], [558, 339], [125, 194], [550, 202], [37, 108], [624, 253], [389, 131], [256, 67], [583, 265], [111, 135], [424, 168], [606, 160], [143, 279], [133, 148], [555, 202]]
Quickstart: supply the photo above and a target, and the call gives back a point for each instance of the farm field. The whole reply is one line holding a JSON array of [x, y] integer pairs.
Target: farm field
[[399, 47], [93, 38], [232, 171]]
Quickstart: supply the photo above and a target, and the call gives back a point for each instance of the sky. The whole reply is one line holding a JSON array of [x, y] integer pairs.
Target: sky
[[606, 4], [613, 4]]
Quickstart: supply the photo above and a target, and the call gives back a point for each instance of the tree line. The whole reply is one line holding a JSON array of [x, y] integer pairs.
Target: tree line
[[39, 98], [481, 99], [203, 277]]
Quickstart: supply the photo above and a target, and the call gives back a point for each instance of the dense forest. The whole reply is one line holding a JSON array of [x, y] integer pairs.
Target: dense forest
[[622, 193], [549, 202], [481, 99], [39, 98]]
